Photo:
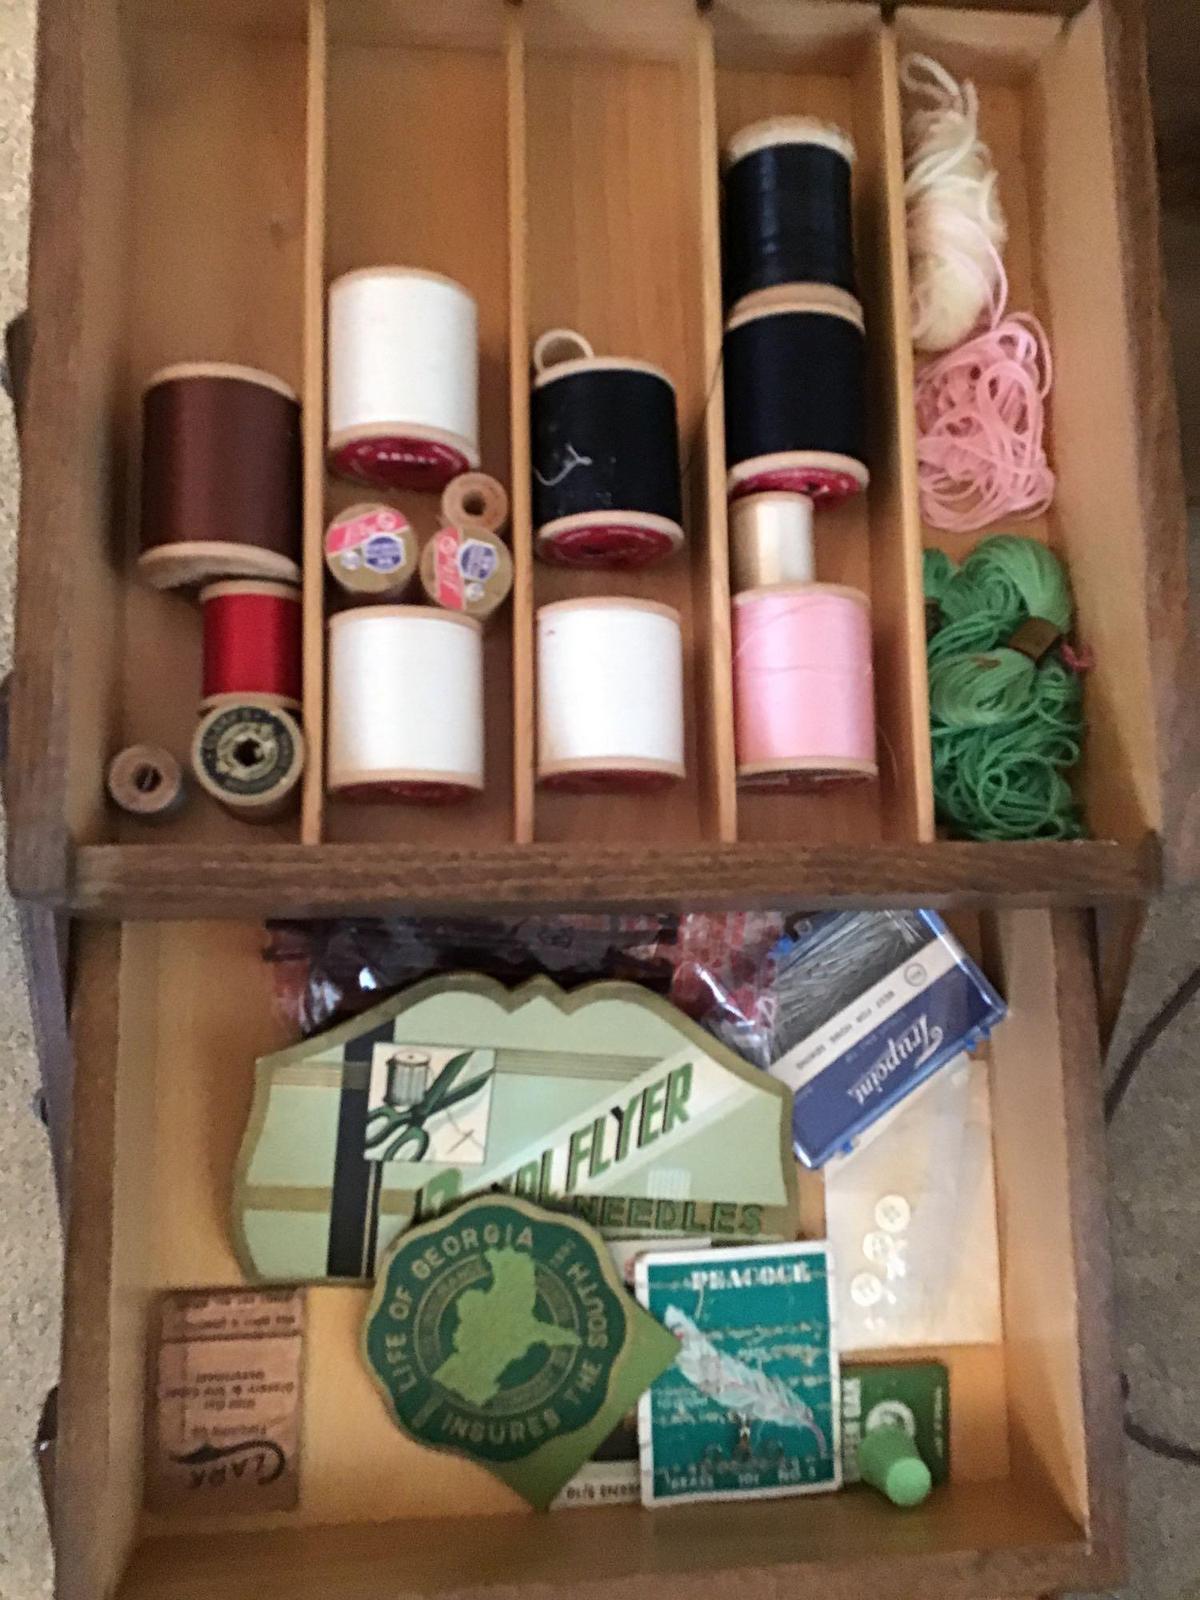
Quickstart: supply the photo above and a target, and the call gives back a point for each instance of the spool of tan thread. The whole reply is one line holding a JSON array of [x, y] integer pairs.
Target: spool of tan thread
[[771, 540], [475, 500], [147, 782], [371, 551], [249, 755], [467, 570]]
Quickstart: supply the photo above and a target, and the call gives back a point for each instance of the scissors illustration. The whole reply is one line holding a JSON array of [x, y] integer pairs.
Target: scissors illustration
[[393, 1129]]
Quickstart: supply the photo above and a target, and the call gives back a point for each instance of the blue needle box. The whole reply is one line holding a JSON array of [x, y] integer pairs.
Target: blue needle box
[[867, 1005]]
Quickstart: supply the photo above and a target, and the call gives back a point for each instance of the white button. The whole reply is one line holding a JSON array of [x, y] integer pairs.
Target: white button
[[866, 1289], [893, 1212]]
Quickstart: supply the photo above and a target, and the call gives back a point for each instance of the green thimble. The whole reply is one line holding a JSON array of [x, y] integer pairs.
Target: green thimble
[[889, 1461]]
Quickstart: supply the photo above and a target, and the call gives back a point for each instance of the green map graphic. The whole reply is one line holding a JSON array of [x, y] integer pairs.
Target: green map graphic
[[496, 1327]]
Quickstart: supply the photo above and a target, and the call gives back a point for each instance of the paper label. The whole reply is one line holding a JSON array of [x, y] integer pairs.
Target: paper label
[[502, 1334], [225, 1423], [606, 1099], [749, 1409], [913, 1395], [447, 576], [246, 751]]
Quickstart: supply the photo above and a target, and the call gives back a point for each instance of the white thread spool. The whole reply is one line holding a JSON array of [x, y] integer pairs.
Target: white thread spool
[[403, 378], [610, 694], [405, 704], [771, 540]]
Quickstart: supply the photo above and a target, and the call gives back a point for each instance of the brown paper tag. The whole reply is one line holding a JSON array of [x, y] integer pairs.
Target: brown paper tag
[[225, 1428], [1033, 638]]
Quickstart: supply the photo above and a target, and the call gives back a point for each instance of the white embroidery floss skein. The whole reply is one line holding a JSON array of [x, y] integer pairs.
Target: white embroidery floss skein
[[405, 704], [403, 378], [610, 695], [771, 540], [956, 227]]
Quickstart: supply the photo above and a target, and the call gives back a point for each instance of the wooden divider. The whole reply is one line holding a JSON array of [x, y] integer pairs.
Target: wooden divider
[[708, 469], [312, 813], [520, 488]]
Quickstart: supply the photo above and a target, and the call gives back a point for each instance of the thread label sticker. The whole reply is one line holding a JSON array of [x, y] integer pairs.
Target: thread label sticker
[[398, 462], [477, 561], [749, 1409], [225, 1427], [360, 530], [429, 1103], [447, 574], [371, 548], [246, 750]]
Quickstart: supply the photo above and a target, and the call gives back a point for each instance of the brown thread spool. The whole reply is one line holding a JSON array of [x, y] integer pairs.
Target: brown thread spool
[[248, 754], [468, 570], [146, 781], [220, 476], [475, 500], [371, 551]]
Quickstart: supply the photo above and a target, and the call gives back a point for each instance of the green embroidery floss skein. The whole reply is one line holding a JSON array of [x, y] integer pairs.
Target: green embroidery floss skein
[[1005, 711]]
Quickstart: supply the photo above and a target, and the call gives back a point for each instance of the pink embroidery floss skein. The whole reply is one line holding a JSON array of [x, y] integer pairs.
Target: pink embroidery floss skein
[[981, 423], [803, 687], [981, 405]]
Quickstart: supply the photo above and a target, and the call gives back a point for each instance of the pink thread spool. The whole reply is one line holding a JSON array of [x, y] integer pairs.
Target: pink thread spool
[[803, 686]]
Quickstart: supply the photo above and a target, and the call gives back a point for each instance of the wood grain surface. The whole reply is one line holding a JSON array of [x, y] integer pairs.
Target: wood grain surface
[[156, 882], [1174, 646]]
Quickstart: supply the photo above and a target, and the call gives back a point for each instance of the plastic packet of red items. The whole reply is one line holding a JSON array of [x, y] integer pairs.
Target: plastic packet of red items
[[713, 967]]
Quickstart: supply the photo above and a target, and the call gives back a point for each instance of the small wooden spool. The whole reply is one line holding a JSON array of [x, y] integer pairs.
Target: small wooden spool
[[146, 781]]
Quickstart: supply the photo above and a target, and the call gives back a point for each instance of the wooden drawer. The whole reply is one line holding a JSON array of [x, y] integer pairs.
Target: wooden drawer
[[164, 1082], [203, 169]]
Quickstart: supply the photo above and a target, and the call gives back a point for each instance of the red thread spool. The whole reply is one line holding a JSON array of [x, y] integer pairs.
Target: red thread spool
[[252, 641]]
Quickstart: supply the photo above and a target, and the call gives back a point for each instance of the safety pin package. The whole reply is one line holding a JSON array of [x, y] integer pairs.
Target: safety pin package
[[865, 1007], [749, 1408]]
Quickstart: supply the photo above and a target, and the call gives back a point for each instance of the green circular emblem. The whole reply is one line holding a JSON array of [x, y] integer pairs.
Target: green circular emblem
[[494, 1329]]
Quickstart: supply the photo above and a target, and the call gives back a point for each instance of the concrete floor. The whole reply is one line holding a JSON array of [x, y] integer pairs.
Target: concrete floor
[[1155, 1188]]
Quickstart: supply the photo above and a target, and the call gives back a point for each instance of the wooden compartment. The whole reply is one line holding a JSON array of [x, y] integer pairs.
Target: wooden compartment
[[620, 243], [834, 62], [416, 175], [203, 172], [167, 1023], [1043, 111]]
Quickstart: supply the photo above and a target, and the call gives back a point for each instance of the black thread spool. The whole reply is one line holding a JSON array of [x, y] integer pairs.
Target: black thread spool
[[787, 213], [606, 486], [794, 401]]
